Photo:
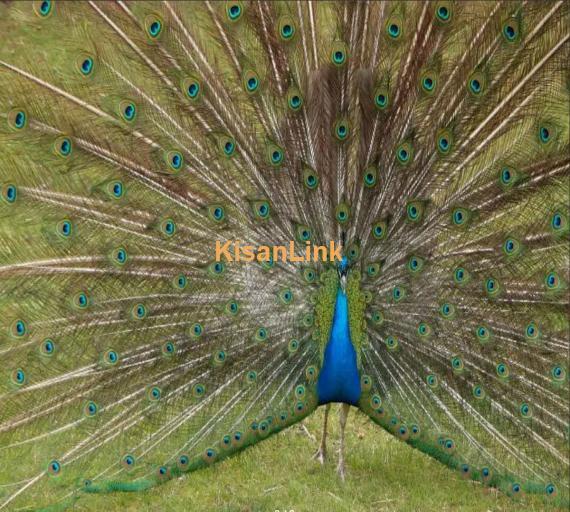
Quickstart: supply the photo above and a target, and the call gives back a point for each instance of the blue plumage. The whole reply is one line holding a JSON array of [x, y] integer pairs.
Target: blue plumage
[[339, 380]]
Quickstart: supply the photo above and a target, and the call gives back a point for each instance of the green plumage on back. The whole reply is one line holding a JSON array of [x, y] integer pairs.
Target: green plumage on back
[[430, 139]]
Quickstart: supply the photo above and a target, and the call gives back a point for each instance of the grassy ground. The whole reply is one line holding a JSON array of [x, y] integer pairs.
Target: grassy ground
[[279, 475]]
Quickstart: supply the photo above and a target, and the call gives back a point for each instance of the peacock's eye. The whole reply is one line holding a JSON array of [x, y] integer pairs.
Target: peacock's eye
[[47, 347], [286, 28], [443, 13], [19, 119], [85, 64], [233, 11], [19, 377], [550, 490], [43, 8], [54, 467], [154, 26], [63, 146], [393, 30], [510, 30], [193, 90], [128, 110]]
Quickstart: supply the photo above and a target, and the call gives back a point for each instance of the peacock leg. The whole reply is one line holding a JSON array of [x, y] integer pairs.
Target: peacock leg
[[343, 416], [321, 454]]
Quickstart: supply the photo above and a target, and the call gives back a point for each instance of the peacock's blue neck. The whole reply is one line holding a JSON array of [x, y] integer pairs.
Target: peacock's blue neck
[[338, 379]]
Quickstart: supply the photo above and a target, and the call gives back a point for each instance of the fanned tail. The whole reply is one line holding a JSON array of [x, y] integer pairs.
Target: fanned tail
[[429, 138]]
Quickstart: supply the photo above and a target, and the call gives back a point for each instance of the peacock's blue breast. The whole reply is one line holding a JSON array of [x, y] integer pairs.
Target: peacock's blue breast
[[339, 380]]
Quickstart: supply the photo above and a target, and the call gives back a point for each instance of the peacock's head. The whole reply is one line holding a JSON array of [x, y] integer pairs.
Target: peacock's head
[[342, 269]]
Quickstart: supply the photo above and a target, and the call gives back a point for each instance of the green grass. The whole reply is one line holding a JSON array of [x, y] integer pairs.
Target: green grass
[[383, 474]]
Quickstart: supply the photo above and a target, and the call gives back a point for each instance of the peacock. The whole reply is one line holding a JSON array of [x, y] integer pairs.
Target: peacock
[[427, 140]]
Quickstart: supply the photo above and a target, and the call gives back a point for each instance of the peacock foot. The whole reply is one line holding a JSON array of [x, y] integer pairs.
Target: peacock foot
[[320, 455], [340, 469]]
